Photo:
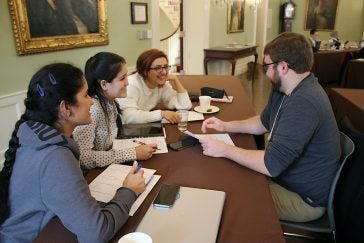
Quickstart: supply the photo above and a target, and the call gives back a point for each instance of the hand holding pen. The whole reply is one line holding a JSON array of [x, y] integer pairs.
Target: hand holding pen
[[142, 143], [135, 180], [145, 151]]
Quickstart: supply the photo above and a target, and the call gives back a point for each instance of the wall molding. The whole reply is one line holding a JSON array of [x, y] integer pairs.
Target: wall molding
[[11, 108]]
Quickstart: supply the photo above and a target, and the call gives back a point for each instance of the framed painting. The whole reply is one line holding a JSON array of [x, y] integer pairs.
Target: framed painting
[[51, 25], [235, 16], [139, 13], [321, 14]]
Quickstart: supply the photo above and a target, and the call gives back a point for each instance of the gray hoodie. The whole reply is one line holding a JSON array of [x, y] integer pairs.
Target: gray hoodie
[[47, 181]]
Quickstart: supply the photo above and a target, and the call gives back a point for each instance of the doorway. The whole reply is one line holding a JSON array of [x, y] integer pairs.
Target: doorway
[[194, 37]]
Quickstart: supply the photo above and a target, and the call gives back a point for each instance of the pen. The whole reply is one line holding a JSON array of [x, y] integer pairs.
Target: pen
[[142, 143], [139, 142], [139, 167], [227, 96]]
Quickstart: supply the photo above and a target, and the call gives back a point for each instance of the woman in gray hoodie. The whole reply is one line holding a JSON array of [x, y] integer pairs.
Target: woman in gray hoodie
[[42, 178]]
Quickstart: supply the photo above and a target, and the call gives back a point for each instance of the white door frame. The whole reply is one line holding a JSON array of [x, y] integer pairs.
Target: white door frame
[[196, 32], [261, 28]]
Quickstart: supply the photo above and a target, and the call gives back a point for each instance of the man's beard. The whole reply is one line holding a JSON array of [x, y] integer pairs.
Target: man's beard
[[276, 81]]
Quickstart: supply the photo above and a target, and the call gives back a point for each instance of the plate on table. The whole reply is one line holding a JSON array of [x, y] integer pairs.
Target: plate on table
[[213, 109]]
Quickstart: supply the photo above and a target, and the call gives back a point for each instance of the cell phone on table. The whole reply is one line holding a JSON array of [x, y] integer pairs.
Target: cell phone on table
[[166, 196], [184, 143]]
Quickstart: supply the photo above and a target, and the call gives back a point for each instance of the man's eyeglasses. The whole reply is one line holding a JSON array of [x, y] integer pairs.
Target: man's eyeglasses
[[265, 66], [160, 68]]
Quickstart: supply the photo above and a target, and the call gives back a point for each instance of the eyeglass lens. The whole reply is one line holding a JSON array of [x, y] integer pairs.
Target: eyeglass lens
[[160, 68], [265, 66]]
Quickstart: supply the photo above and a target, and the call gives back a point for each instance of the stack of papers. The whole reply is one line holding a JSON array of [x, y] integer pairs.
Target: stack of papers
[[105, 185], [222, 137]]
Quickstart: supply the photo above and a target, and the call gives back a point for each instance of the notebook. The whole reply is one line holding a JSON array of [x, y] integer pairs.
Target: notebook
[[105, 185], [119, 144], [194, 217]]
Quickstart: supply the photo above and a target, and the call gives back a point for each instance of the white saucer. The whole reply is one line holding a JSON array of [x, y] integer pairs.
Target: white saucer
[[214, 109]]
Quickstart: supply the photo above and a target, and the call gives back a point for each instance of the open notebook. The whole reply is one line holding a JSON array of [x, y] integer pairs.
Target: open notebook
[[119, 144], [105, 185], [194, 217]]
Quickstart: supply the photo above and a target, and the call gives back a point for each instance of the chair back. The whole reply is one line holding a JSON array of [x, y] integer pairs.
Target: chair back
[[347, 148]]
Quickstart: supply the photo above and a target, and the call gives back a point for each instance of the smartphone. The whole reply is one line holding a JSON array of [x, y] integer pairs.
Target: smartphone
[[166, 196], [184, 143]]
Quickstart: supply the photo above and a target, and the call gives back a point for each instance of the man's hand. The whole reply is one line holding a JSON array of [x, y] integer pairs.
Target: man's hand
[[213, 123]]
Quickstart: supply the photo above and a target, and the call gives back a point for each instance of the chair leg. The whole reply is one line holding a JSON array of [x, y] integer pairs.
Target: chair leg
[[334, 235], [299, 236], [306, 237]]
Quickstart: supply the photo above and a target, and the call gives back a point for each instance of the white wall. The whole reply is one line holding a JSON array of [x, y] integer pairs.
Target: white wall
[[11, 108], [196, 17]]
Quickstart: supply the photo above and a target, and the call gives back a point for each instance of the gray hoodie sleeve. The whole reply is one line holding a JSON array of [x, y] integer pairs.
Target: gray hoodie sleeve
[[65, 192]]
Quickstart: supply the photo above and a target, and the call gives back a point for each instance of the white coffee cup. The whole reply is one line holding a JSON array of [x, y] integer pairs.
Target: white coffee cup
[[135, 237], [205, 102]]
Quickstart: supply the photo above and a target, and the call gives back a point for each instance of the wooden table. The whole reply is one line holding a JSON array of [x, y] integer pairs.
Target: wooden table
[[350, 103], [327, 65], [248, 214], [231, 54], [354, 75]]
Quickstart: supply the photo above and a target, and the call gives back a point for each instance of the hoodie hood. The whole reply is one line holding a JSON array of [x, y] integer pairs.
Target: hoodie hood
[[41, 136]]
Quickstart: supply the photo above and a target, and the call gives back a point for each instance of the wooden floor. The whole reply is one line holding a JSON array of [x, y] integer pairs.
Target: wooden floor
[[258, 92]]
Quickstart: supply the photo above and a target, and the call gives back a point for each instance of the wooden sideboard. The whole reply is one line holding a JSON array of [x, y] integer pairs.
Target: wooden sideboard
[[230, 53]]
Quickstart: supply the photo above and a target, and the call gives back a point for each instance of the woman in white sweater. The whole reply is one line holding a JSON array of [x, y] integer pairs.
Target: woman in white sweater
[[149, 87]]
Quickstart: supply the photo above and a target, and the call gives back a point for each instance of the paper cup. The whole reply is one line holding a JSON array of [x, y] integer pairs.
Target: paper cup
[[205, 102]]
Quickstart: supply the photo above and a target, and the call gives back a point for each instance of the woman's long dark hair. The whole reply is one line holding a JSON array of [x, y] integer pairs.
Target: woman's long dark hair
[[102, 66], [47, 88]]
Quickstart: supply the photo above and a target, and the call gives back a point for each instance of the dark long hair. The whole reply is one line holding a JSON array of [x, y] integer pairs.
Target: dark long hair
[[47, 88], [102, 66]]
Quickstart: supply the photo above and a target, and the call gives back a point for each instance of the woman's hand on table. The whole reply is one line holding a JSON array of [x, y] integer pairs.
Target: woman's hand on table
[[171, 116]]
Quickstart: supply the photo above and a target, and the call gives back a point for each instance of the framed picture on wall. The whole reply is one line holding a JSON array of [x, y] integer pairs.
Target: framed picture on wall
[[42, 26], [321, 14], [139, 13], [235, 16]]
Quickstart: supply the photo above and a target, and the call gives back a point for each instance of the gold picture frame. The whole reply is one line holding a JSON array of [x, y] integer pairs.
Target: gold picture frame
[[235, 16], [34, 33], [321, 14]]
